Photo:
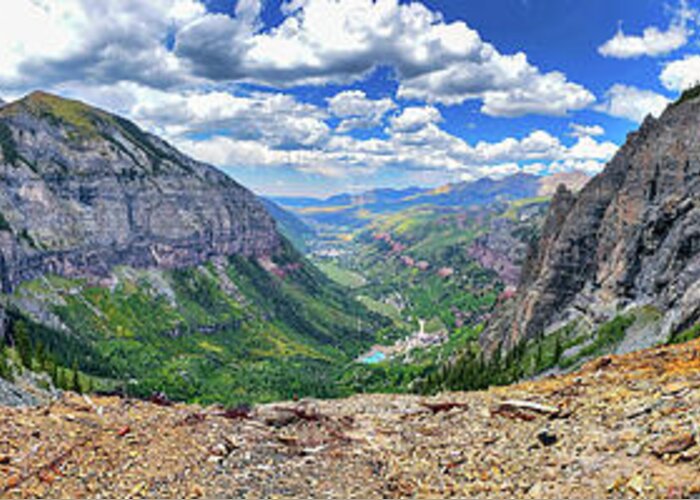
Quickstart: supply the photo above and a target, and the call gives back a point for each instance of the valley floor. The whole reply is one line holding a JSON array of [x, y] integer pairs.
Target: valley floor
[[622, 426]]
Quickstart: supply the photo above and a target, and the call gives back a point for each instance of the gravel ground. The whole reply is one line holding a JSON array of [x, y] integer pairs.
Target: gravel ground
[[621, 427]]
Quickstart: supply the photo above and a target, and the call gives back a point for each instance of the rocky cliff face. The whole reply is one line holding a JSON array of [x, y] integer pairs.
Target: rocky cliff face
[[631, 237], [505, 243], [84, 191]]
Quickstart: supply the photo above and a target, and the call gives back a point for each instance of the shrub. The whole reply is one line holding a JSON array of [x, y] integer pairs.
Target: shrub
[[5, 369], [686, 335], [688, 94]]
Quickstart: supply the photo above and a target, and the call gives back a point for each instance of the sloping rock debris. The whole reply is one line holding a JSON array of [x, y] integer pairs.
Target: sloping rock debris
[[624, 428]]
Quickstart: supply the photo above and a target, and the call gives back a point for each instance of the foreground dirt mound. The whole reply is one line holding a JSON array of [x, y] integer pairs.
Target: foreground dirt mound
[[623, 426]]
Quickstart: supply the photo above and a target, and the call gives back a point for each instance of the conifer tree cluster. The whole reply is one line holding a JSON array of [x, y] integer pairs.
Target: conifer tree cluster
[[471, 370], [32, 353]]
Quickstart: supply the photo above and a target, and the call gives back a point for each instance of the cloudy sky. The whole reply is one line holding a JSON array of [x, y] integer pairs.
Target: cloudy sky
[[312, 97]]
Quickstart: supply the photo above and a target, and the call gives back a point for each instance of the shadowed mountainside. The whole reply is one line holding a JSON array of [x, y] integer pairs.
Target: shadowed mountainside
[[629, 239]]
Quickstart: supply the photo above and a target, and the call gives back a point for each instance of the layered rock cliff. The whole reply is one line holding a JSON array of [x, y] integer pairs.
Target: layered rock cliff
[[631, 237], [84, 191]]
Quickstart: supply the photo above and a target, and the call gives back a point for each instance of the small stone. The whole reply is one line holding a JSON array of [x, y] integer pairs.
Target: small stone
[[617, 484], [276, 416], [636, 484], [547, 438], [674, 445], [12, 482], [536, 491], [45, 476], [690, 454], [634, 450], [601, 363], [219, 450], [676, 387]]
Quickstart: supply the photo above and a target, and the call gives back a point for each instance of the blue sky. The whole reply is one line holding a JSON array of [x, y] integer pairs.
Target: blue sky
[[314, 97]]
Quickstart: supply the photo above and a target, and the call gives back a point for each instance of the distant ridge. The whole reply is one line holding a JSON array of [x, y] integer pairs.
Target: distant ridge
[[343, 209]]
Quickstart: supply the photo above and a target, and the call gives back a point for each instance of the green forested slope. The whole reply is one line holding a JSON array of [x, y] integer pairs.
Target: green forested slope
[[233, 331]]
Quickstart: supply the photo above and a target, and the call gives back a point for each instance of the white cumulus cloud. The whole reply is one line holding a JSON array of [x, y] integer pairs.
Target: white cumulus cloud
[[331, 41], [681, 74], [653, 41], [171, 43], [579, 130], [632, 103], [43, 42], [415, 118], [358, 111], [182, 72]]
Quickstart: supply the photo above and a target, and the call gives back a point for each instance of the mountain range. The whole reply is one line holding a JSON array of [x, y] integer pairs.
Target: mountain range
[[356, 210], [130, 267], [141, 270], [85, 191]]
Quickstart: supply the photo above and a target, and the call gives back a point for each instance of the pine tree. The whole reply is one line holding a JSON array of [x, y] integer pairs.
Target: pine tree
[[22, 343], [75, 378], [54, 372], [5, 369], [61, 378], [41, 357], [87, 385], [558, 349], [538, 355]]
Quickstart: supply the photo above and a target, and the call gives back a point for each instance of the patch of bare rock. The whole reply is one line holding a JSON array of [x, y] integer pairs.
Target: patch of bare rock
[[621, 427]]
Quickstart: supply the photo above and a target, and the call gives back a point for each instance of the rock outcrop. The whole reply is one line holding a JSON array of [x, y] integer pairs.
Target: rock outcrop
[[574, 180], [631, 237], [504, 244], [84, 191]]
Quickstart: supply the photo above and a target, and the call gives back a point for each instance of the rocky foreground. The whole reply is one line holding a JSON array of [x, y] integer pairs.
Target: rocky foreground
[[623, 426]]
